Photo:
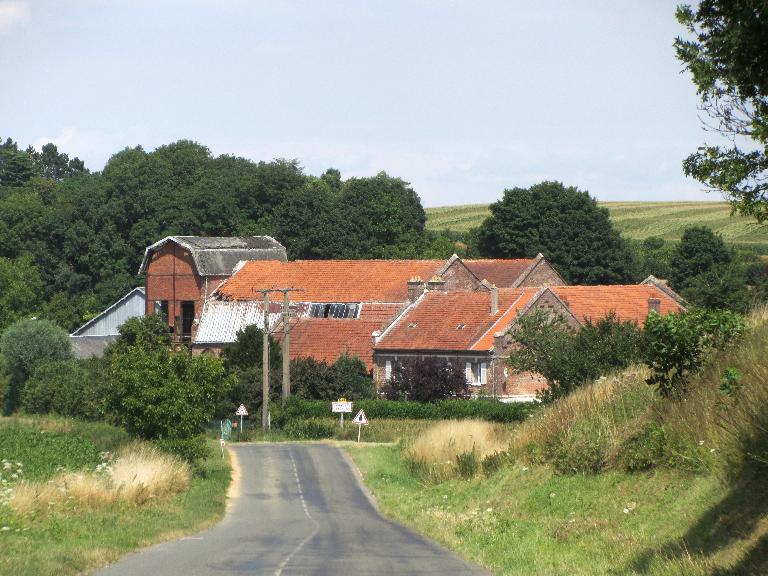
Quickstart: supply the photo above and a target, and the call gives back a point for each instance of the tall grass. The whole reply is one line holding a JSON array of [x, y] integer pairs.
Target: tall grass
[[137, 475], [455, 448]]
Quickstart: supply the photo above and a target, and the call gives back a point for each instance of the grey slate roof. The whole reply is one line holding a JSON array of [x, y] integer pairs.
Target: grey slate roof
[[218, 256]]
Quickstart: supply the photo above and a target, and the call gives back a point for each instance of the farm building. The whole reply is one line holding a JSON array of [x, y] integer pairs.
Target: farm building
[[92, 337], [475, 329], [181, 272], [342, 302]]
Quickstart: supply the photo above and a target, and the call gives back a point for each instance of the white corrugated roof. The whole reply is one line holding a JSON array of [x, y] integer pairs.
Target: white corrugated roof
[[220, 320]]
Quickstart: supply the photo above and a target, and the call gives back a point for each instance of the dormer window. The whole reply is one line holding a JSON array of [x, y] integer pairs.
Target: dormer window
[[461, 327], [413, 325]]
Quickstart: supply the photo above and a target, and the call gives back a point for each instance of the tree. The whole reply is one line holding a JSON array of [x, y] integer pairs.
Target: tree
[[728, 59], [27, 344], [699, 251], [52, 164], [16, 166], [426, 380], [347, 377], [21, 290], [569, 358], [563, 223]]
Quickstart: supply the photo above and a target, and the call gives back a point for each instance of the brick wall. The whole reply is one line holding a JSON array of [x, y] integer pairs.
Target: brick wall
[[543, 274], [458, 277], [171, 275]]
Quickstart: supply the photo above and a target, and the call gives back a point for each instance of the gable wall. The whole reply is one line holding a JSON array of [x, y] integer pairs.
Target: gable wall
[[458, 277], [542, 275]]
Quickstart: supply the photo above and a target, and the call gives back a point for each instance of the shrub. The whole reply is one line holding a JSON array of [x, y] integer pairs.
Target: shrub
[[644, 449], [310, 429], [189, 449], [166, 396], [567, 358], [61, 387], [150, 332], [426, 380], [494, 462], [490, 410], [25, 345], [347, 377], [467, 464], [582, 448], [677, 344]]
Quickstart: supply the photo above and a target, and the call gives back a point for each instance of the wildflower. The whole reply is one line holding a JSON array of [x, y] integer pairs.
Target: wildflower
[[552, 495], [5, 528], [7, 465], [525, 468], [701, 442], [445, 496], [489, 509], [711, 450]]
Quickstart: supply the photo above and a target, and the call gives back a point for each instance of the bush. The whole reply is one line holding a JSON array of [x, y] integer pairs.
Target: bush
[[25, 345], [494, 462], [61, 387], [166, 396], [490, 410], [426, 380], [467, 464], [310, 429], [568, 359], [345, 378], [189, 449], [645, 449], [582, 448], [677, 344]]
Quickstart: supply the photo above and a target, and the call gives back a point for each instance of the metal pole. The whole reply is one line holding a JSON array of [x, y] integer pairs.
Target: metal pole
[[265, 368], [286, 349]]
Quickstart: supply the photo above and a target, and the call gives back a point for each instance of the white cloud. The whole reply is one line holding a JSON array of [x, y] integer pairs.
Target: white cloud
[[92, 146], [13, 13]]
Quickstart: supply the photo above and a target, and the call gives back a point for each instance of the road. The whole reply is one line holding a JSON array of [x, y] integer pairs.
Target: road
[[301, 511]]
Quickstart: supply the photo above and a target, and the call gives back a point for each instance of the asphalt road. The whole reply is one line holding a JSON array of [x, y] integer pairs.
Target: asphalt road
[[301, 511]]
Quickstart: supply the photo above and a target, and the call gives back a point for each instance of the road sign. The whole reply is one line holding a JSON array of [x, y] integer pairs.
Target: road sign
[[341, 406], [241, 411], [360, 418]]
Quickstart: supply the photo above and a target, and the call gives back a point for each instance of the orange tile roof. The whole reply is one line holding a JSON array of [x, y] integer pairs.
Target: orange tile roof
[[331, 280], [502, 273], [433, 322], [629, 302], [326, 339]]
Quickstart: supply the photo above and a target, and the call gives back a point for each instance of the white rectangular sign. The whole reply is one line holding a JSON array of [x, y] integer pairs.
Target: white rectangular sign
[[341, 406]]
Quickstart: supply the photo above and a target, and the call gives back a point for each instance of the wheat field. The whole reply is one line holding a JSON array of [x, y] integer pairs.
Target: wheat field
[[636, 220]]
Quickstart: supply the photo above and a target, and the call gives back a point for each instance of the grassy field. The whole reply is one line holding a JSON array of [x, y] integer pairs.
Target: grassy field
[[611, 479], [636, 220], [76, 532]]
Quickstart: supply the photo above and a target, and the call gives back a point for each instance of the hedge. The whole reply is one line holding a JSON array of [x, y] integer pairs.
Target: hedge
[[491, 410]]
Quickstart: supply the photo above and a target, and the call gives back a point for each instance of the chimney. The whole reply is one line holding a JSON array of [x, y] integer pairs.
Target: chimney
[[415, 288], [375, 335], [494, 300], [436, 283]]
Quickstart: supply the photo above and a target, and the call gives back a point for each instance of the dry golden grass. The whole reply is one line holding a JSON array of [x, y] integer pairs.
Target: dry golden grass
[[138, 474], [436, 450]]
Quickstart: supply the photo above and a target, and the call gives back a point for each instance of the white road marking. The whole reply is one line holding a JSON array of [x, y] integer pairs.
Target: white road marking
[[287, 559]]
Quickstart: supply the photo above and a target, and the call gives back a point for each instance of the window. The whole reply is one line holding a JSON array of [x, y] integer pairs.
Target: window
[[161, 307], [468, 372], [334, 310], [187, 317], [388, 370], [476, 373], [483, 373]]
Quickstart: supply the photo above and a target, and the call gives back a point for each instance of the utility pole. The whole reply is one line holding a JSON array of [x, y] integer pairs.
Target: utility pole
[[265, 352], [265, 367]]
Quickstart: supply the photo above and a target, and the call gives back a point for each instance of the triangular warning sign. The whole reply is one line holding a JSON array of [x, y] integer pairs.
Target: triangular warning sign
[[360, 418]]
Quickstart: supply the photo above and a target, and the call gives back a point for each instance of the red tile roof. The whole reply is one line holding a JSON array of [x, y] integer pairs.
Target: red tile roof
[[629, 302], [453, 321], [432, 323], [328, 338], [331, 280], [502, 273]]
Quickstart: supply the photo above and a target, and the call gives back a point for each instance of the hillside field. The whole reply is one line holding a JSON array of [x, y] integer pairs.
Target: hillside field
[[636, 220]]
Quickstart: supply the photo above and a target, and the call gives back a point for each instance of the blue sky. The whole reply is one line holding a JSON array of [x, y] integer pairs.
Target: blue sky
[[462, 99]]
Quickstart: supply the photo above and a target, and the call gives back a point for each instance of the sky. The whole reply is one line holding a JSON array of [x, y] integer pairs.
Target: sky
[[462, 99]]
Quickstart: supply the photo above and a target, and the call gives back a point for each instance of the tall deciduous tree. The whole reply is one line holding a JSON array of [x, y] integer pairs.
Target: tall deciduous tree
[[728, 59], [563, 223]]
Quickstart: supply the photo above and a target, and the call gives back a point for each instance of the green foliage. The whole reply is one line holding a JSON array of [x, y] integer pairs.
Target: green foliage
[[63, 387], [311, 429], [728, 59], [43, 453], [426, 380], [27, 344], [21, 290], [645, 449], [678, 344], [730, 380], [149, 332], [490, 410], [192, 449], [162, 395], [568, 358], [346, 378], [563, 223], [582, 449], [494, 462], [699, 251], [467, 464]]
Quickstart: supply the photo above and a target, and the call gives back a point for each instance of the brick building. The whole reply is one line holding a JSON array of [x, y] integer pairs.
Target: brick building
[[474, 330], [181, 272], [343, 302]]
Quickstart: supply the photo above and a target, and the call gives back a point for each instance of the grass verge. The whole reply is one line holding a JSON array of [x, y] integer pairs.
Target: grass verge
[[75, 537]]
